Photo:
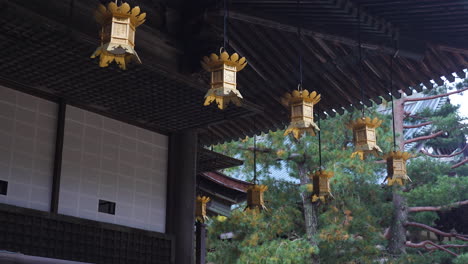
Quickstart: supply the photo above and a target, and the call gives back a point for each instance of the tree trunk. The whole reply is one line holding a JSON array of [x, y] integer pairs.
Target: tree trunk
[[396, 245], [310, 214], [399, 115]]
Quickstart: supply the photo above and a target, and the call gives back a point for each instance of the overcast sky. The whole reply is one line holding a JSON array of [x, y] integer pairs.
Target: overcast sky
[[461, 100]]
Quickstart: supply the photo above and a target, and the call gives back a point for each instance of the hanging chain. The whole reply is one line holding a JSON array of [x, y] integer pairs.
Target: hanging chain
[[212, 139], [393, 106], [299, 86], [300, 72], [255, 159], [225, 38], [319, 140], [360, 59]]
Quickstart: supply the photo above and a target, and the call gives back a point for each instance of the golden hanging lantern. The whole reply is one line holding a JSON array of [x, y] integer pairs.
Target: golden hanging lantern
[[118, 34], [200, 208], [223, 84], [396, 167], [321, 185], [364, 136], [255, 197], [301, 104]]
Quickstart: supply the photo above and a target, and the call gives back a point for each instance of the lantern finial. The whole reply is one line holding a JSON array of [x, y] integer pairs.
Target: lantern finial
[[200, 208], [223, 84], [301, 104], [364, 136], [118, 34], [321, 185], [396, 167]]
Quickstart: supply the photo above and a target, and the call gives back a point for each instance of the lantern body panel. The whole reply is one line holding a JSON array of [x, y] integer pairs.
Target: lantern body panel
[[224, 77], [324, 186], [118, 34], [255, 197], [301, 106], [396, 168], [365, 137], [321, 186], [223, 84]]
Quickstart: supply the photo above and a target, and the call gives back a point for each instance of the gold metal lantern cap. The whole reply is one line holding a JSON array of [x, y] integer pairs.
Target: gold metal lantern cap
[[200, 208], [223, 84], [255, 197], [364, 136], [118, 34], [321, 185], [301, 104], [396, 167]]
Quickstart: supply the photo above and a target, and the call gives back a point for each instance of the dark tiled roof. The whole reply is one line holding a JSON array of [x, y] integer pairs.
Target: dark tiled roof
[[227, 181]]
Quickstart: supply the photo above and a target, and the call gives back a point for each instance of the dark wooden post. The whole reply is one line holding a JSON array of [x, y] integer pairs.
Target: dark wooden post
[[201, 243], [180, 206], [62, 106]]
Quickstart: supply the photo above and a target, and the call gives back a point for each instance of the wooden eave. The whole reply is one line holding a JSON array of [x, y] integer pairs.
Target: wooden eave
[[223, 188], [209, 160], [45, 48]]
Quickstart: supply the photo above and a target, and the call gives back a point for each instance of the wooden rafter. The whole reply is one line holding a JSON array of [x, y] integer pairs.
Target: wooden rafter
[[238, 15]]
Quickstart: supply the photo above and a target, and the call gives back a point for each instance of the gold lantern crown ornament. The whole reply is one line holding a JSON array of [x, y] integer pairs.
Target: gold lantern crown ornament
[[364, 136], [396, 167], [200, 208], [223, 84], [118, 34], [321, 185], [301, 104]]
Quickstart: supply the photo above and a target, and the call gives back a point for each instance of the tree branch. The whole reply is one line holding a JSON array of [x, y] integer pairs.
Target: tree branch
[[425, 243], [416, 117], [291, 157], [433, 97], [460, 163], [444, 156], [419, 125], [436, 208], [263, 150], [437, 231], [424, 137], [449, 246]]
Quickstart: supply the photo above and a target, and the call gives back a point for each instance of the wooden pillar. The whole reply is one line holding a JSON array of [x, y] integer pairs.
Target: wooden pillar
[[62, 106], [181, 183], [201, 243]]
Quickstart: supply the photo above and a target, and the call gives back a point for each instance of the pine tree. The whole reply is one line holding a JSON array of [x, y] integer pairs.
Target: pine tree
[[350, 228], [445, 131]]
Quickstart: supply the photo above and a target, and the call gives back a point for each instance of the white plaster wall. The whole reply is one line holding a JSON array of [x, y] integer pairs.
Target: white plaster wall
[[111, 160], [27, 145]]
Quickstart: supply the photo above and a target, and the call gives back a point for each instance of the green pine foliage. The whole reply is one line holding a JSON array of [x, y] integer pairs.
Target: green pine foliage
[[273, 236], [352, 225], [462, 259]]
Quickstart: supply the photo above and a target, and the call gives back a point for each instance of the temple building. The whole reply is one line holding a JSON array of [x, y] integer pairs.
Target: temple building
[[99, 156]]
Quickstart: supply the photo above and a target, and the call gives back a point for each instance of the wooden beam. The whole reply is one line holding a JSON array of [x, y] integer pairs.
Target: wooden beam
[[237, 15], [378, 24]]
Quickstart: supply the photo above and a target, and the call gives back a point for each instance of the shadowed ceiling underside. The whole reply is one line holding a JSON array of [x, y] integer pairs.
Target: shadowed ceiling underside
[[44, 54]]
